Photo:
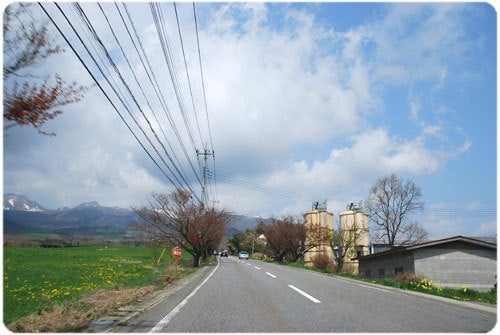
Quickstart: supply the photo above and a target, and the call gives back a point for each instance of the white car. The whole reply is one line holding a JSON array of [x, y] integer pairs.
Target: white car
[[243, 254]]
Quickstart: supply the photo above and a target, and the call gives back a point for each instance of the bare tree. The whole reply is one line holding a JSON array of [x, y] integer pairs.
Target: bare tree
[[278, 233], [390, 202], [289, 237], [26, 45], [344, 243], [176, 218]]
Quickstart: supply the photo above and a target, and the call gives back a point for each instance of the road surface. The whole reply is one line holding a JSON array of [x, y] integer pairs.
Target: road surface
[[255, 296]]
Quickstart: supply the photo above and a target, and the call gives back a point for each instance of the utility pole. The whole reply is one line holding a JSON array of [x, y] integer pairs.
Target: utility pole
[[253, 241], [205, 155]]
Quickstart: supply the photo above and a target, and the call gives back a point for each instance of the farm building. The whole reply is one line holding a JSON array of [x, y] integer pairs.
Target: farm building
[[452, 262]]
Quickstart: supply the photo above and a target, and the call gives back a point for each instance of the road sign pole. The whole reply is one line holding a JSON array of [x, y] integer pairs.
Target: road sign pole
[[176, 253]]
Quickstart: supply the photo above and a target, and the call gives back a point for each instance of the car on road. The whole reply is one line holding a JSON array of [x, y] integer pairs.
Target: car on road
[[243, 254], [224, 254]]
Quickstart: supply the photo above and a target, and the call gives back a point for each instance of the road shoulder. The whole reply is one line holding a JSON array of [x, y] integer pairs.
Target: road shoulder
[[471, 304], [125, 314]]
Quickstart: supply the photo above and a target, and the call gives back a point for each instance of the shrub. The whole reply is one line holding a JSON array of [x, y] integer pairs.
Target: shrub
[[350, 269], [408, 278], [257, 255], [321, 261]]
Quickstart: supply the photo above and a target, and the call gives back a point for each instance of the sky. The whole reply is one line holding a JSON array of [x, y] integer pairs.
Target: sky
[[305, 102]]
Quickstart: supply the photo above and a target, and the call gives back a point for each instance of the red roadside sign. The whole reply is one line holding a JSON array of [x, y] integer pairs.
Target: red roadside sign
[[176, 252]]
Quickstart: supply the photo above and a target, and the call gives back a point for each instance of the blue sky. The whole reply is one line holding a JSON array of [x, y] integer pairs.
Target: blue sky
[[306, 101]]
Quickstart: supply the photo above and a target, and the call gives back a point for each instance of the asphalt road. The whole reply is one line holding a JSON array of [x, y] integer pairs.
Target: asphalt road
[[254, 296]]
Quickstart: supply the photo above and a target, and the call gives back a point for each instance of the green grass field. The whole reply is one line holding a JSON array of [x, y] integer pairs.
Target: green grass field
[[36, 278]]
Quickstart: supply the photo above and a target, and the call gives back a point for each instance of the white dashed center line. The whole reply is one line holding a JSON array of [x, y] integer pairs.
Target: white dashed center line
[[313, 299], [269, 274], [256, 267]]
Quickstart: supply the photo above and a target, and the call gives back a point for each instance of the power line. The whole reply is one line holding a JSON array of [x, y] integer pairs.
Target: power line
[[161, 29], [459, 212], [251, 184], [160, 26], [84, 17], [160, 96], [205, 96], [97, 82], [178, 172], [272, 190], [177, 177], [187, 73]]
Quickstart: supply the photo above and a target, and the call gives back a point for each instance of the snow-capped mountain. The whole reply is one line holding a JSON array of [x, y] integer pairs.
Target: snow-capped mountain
[[22, 215], [92, 204], [15, 202]]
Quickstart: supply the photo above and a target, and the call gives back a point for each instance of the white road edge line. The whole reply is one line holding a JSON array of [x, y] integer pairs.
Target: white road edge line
[[163, 322], [367, 286], [313, 299], [372, 287], [269, 274], [353, 282]]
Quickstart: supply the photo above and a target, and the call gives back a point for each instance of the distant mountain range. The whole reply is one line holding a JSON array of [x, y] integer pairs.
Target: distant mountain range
[[25, 216], [22, 215]]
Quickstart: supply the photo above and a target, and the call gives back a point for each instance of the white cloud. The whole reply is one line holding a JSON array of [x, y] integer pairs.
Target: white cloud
[[439, 227], [270, 90], [488, 228], [444, 219], [273, 90], [421, 39], [473, 205], [93, 157], [446, 226]]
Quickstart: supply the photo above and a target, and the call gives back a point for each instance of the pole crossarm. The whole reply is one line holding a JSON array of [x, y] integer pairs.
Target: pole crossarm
[[206, 153]]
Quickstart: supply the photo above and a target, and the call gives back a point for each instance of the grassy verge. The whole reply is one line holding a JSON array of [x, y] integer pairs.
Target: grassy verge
[[429, 287], [74, 316], [423, 286], [37, 279]]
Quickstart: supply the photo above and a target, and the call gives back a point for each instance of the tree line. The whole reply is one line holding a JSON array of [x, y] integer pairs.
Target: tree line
[[390, 203], [176, 218]]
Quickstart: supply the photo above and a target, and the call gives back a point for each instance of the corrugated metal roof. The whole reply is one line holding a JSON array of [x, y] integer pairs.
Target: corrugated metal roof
[[474, 241]]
